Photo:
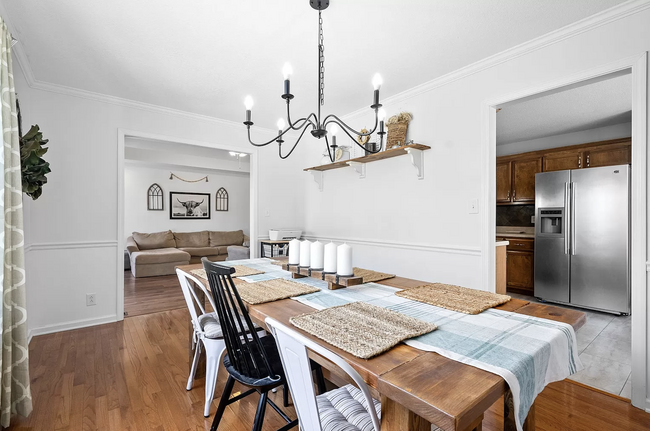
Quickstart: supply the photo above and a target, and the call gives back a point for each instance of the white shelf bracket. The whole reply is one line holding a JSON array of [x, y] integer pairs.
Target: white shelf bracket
[[318, 177], [417, 160], [360, 168]]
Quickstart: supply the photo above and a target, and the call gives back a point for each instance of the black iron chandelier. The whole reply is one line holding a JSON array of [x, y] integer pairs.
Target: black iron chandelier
[[320, 127]]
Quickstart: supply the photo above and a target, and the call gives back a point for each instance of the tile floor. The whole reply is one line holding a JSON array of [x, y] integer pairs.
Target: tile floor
[[604, 343]]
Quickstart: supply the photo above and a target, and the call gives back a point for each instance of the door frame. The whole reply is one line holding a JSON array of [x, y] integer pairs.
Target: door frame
[[640, 266], [122, 134]]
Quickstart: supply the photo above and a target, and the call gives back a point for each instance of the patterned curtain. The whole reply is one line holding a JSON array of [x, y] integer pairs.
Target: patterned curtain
[[15, 395]]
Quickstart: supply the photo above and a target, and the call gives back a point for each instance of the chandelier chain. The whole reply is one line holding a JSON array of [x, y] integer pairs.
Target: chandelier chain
[[321, 63]]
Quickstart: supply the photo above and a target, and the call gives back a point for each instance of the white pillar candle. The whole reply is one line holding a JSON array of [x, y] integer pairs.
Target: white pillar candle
[[329, 264], [305, 249], [317, 258], [294, 252], [344, 260]]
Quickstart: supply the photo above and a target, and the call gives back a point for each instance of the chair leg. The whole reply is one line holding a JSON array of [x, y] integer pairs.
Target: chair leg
[[211, 370], [320, 380], [285, 395], [195, 363], [223, 402], [259, 415]]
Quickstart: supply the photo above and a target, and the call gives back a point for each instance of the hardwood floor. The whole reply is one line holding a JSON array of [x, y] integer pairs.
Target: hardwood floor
[[131, 375], [148, 295]]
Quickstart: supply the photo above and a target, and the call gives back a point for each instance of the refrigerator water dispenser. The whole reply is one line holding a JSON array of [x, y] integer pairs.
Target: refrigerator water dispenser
[[551, 221]]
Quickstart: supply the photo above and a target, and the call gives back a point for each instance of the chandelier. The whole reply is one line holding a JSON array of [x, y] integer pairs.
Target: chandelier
[[318, 126]]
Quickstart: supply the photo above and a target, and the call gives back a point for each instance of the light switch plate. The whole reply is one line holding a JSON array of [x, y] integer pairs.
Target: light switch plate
[[473, 206]]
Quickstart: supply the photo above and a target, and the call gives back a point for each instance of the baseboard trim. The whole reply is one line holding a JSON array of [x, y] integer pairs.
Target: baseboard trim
[[468, 251], [68, 326], [70, 245]]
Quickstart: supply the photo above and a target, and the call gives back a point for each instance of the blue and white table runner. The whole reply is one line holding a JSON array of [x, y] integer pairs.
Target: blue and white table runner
[[528, 352]]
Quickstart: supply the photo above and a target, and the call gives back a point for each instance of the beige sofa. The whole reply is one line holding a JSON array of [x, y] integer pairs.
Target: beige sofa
[[158, 253]]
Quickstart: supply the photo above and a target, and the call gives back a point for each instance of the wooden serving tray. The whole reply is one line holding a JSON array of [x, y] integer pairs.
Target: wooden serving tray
[[333, 281]]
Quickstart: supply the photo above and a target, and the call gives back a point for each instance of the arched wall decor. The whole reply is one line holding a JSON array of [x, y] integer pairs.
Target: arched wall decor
[[222, 200], [155, 198]]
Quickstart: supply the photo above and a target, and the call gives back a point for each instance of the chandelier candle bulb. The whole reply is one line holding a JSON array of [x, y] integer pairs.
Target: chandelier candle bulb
[[344, 261], [317, 255], [294, 252], [248, 103], [286, 72], [329, 263], [305, 253]]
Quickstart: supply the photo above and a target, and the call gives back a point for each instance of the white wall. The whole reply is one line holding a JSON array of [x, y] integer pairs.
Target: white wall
[[138, 179], [616, 131]]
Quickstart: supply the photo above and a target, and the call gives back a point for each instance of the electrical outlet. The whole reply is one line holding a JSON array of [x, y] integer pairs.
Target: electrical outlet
[[532, 219], [90, 299], [473, 206]]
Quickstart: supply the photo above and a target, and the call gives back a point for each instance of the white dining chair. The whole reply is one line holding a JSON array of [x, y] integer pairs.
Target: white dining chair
[[345, 408], [207, 332]]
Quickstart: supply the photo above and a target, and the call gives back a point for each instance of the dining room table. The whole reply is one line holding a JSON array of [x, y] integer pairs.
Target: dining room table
[[418, 388]]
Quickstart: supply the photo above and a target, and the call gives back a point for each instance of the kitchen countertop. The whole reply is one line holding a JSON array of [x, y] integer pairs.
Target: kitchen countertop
[[501, 243], [516, 232]]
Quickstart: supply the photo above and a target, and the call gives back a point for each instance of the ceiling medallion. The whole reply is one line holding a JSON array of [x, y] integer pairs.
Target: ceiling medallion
[[318, 126]]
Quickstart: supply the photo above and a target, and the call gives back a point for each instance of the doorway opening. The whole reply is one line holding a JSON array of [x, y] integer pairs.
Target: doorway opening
[[613, 133]]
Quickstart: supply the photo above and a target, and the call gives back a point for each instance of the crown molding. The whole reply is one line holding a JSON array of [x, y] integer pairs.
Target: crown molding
[[591, 22]]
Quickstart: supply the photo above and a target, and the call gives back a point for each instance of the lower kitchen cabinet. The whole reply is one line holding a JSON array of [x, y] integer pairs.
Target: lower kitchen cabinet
[[520, 265]]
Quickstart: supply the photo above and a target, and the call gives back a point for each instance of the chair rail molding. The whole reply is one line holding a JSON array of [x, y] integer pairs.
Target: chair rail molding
[[63, 245]]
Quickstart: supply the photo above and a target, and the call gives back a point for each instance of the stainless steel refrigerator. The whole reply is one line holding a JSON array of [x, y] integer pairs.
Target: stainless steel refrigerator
[[582, 238]]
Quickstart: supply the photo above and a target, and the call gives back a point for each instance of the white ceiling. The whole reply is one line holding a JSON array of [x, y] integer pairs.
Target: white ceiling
[[204, 56], [598, 104]]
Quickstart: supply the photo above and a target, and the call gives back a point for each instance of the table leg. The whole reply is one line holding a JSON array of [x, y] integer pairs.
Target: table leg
[[509, 415], [200, 370], [396, 417]]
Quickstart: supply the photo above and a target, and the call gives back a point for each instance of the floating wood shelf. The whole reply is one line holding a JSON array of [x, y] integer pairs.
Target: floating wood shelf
[[359, 163], [333, 281]]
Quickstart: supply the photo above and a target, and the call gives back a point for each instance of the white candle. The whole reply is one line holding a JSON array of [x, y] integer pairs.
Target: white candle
[[317, 252], [344, 260], [294, 252], [329, 264], [305, 249]]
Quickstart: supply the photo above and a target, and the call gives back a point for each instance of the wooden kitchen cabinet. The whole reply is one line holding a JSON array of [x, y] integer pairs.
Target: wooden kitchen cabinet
[[520, 270], [504, 182], [562, 160], [523, 179], [608, 155]]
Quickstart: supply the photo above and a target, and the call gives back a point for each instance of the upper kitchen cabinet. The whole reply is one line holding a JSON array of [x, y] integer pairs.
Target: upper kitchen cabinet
[[523, 179], [504, 182], [562, 160], [515, 175], [609, 155]]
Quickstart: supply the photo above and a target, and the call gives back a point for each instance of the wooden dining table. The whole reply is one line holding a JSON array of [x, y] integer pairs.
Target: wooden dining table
[[419, 388]]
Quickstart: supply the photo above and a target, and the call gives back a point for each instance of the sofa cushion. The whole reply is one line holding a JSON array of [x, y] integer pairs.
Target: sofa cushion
[[201, 251], [235, 237], [150, 241], [160, 255], [192, 239]]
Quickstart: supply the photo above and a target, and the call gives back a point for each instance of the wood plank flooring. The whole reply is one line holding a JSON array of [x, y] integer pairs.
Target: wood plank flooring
[[147, 295], [131, 376]]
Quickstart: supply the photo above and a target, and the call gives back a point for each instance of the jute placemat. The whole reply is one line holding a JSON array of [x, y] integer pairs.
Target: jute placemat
[[272, 290], [369, 275], [240, 271], [361, 329], [455, 298]]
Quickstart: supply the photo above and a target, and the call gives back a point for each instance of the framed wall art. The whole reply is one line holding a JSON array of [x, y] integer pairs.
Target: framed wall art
[[190, 206]]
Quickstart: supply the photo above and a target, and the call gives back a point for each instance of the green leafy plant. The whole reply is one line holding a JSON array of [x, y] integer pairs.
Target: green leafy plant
[[34, 167]]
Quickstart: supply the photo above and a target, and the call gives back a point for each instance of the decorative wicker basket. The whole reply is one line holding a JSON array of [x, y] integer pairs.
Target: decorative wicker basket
[[397, 128]]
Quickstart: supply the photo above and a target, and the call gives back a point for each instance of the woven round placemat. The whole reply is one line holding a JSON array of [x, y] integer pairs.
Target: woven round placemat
[[369, 275], [272, 290], [361, 329], [455, 298], [240, 271]]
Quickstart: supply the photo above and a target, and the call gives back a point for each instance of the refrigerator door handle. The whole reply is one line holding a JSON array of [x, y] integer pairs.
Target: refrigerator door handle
[[566, 218], [573, 218]]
